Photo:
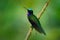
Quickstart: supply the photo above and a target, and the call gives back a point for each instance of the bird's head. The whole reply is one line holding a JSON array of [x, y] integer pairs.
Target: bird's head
[[30, 11]]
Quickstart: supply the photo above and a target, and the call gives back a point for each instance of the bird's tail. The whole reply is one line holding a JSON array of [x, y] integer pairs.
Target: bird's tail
[[40, 30], [43, 32]]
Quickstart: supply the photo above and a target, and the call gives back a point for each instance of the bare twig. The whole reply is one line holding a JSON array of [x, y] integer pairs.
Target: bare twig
[[38, 16], [29, 33], [43, 9]]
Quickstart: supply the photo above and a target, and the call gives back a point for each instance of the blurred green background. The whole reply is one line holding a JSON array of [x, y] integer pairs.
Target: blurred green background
[[14, 24]]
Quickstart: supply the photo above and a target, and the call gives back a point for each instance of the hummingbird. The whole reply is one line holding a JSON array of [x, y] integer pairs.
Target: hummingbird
[[34, 21]]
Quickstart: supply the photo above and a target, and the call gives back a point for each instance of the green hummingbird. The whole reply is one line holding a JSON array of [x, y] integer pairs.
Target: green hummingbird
[[34, 21]]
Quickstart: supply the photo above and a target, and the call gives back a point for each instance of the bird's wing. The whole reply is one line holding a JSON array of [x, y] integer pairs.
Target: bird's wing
[[34, 20], [36, 24]]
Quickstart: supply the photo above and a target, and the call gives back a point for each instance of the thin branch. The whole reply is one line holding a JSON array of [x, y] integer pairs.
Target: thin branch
[[43, 9], [29, 33], [38, 16]]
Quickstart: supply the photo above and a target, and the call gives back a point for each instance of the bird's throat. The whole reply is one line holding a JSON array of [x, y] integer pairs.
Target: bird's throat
[[29, 14]]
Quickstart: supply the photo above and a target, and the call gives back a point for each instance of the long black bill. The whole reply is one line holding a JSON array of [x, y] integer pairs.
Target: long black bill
[[25, 8]]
